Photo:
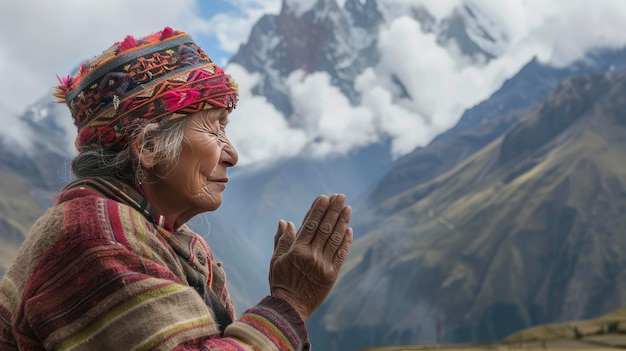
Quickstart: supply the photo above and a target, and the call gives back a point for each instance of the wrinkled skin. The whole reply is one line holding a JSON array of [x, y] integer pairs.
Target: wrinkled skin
[[305, 266], [196, 182]]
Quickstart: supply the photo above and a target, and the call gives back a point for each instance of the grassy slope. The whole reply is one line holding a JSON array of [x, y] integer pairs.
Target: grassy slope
[[18, 210], [607, 332], [609, 329]]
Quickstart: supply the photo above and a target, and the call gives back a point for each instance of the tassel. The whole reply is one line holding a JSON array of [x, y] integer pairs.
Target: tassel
[[166, 33], [128, 43], [65, 85], [83, 68], [65, 82]]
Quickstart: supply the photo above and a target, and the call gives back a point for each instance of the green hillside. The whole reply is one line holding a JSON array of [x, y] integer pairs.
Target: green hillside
[[18, 210]]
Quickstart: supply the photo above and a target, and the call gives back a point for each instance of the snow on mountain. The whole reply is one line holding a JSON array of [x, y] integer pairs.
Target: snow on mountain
[[53, 119], [300, 7], [482, 30], [356, 43], [473, 32]]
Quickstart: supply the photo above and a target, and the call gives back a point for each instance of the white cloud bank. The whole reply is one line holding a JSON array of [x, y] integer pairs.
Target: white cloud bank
[[42, 38], [256, 128]]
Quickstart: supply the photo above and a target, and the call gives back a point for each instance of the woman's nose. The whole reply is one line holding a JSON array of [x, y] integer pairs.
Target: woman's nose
[[229, 155]]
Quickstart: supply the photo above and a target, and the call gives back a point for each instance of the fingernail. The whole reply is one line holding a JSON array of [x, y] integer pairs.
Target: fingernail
[[347, 212]]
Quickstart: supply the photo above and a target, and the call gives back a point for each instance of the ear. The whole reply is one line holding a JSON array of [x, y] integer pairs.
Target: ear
[[142, 148]]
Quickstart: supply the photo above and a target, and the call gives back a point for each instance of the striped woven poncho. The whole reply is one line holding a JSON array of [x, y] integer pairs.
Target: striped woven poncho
[[94, 274]]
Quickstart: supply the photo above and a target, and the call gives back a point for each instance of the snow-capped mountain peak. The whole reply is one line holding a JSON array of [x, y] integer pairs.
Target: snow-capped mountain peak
[[300, 7], [338, 43], [482, 30]]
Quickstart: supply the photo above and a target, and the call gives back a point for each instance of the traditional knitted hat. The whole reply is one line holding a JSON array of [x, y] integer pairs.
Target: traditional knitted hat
[[158, 78]]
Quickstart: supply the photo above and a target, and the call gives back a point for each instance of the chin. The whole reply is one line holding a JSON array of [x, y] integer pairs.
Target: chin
[[213, 205]]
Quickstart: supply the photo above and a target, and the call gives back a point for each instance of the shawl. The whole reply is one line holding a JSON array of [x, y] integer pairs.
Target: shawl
[[97, 274]]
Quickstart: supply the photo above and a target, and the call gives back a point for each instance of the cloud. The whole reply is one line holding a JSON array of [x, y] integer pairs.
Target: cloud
[[45, 38], [402, 126], [232, 28], [557, 31], [324, 122], [570, 30], [259, 132], [333, 125], [442, 84], [439, 9]]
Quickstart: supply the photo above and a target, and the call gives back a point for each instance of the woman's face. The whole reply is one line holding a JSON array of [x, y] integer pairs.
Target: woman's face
[[196, 182]]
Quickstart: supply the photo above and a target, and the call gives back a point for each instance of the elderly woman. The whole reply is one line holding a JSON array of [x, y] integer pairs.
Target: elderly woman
[[112, 265]]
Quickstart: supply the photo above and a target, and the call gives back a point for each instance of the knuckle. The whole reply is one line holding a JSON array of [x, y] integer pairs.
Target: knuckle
[[336, 238], [342, 254], [335, 211], [300, 252], [310, 225], [325, 228], [318, 212]]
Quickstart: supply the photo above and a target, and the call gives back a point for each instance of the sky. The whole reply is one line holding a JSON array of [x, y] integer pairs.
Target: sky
[[40, 39]]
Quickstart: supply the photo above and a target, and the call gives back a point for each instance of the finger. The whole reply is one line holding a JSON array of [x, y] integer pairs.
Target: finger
[[308, 213], [309, 226], [329, 222], [333, 243], [279, 232], [342, 252], [286, 240]]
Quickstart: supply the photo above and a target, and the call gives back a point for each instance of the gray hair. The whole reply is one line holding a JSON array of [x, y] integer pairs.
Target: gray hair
[[163, 142]]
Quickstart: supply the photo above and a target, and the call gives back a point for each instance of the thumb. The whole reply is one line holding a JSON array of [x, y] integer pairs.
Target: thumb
[[279, 232], [285, 240]]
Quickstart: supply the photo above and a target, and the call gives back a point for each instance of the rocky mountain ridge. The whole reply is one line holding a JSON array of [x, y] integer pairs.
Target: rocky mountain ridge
[[525, 231], [321, 36], [486, 121]]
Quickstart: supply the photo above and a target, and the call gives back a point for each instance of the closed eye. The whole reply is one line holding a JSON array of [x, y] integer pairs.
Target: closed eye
[[221, 135]]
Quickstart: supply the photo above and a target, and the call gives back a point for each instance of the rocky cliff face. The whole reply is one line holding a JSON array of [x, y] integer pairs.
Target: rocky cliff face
[[322, 37], [525, 231]]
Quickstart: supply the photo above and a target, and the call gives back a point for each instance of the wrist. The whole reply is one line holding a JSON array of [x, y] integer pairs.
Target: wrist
[[289, 298]]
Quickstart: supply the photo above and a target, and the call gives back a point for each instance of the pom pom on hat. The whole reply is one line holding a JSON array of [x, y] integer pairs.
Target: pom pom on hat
[[128, 43]]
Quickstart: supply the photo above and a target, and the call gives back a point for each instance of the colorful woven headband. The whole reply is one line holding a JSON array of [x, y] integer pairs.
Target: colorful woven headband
[[159, 78]]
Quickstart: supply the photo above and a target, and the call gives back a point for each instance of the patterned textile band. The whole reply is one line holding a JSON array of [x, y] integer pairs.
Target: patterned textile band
[[158, 78]]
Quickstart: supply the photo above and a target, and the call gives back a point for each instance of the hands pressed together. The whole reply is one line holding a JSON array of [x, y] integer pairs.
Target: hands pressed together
[[305, 266]]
